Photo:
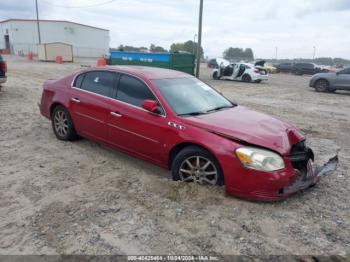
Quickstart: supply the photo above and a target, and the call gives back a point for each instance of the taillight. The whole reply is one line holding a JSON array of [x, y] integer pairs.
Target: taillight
[[3, 66]]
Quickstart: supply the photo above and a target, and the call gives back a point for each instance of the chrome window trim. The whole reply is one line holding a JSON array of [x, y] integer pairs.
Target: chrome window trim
[[114, 99]]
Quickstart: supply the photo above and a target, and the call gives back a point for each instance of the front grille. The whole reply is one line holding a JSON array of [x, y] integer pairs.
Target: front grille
[[300, 155]]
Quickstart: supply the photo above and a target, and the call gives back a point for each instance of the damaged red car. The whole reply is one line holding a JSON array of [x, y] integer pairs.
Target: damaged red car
[[178, 122]]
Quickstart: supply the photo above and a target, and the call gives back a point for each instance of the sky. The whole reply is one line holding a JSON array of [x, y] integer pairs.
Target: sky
[[295, 27]]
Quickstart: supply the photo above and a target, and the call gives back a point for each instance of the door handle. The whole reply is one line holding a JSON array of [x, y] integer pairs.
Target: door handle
[[76, 100], [116, 114]]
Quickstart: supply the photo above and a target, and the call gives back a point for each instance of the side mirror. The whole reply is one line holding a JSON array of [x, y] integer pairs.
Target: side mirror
[[151, 106]]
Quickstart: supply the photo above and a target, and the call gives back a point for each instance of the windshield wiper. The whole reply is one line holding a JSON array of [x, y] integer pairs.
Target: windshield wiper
[[193, 113], [218, 108]]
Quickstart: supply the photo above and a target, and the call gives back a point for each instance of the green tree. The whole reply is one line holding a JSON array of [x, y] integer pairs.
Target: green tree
[[188, 46], [236, 54], [157, 49]]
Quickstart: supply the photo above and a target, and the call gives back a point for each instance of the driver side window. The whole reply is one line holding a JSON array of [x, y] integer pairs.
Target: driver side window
[[133, 91]]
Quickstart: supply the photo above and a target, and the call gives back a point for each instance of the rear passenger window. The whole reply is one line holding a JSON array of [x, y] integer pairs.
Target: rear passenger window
[[133, 91], [78, 80], [99, 82]]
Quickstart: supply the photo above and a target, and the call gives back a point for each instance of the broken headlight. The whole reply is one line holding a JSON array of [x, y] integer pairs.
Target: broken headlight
[[259, 159]]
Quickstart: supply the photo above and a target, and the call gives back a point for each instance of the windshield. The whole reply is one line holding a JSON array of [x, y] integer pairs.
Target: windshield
[[189, 96]]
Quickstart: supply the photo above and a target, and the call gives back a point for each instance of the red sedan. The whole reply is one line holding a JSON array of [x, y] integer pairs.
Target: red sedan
[[178, 122]]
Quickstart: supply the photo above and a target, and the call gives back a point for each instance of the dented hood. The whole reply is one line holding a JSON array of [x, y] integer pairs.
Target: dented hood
[[242, 124]]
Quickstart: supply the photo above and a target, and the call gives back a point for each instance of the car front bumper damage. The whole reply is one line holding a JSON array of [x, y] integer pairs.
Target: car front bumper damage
[[312, 176]]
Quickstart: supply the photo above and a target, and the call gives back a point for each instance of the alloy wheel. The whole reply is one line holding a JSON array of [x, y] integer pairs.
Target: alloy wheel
[[198, 169], [61, 123], [322, 85]]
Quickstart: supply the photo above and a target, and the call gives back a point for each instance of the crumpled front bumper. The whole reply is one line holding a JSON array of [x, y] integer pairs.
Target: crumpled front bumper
[[311, 177]]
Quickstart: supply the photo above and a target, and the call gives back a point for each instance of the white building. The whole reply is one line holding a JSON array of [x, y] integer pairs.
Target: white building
[[20, 36]]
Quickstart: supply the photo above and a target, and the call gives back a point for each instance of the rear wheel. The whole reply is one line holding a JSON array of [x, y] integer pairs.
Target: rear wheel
[[246, 78], [194, 164], [322, 85], [62, 124]]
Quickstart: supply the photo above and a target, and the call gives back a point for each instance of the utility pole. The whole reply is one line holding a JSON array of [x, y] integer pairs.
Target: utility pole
[[37, 20], [314, 53], [199, 43], [276, 53]]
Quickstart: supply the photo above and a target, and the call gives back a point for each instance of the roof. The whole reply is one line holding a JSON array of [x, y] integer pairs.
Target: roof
[[54, 21], [147, 72]]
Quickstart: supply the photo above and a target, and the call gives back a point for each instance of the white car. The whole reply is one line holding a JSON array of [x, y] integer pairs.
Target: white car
[[238, 71]]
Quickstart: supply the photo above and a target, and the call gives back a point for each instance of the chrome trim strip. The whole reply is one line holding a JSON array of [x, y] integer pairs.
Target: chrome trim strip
[[136, 134], [113, 99], [90, 117]]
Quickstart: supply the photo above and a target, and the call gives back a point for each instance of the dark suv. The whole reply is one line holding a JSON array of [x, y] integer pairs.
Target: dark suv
[[284, 67], [3, 70], [307, 69]]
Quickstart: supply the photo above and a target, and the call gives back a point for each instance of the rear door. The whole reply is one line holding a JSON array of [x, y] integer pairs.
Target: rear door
[[89, 103], [131, 127]]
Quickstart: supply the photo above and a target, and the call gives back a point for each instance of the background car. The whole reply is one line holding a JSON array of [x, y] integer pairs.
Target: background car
[[238, 71], [284, 68], [212, 63], [307, 69], [270, 69], [3, 70], [329, 82]]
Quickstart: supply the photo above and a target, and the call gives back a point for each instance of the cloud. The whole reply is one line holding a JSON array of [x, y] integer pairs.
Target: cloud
[[294, 26]]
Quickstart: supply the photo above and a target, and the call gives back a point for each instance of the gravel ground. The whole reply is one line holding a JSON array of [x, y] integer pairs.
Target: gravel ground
[[81, 198]]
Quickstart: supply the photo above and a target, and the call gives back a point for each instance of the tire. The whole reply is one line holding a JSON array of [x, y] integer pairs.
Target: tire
[[62, 124], [246, 78], [185, 167], [215, 76], [322, 85]]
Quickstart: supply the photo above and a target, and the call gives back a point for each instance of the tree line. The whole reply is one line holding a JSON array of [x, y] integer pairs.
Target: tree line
[[231, 53]]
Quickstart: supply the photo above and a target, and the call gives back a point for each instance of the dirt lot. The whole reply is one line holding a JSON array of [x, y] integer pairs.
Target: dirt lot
[[81, 198]]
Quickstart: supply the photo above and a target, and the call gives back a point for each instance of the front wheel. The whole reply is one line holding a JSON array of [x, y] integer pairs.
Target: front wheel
[[194, 164], [322, 85], [216, 76], [62, 124]]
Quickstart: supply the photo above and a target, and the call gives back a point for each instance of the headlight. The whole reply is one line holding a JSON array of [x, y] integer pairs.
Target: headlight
[[259, 159]]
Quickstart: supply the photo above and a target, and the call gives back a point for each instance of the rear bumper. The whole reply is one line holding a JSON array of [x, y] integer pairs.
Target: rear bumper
[[280, 185], [260, 77]]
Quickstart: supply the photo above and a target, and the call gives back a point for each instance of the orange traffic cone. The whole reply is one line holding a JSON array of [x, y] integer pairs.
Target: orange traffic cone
[[59, 59], [30, 56], [101, 62]]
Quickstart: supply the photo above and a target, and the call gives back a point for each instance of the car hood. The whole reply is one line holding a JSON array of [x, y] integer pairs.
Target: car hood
[[248, 126], [326, 75]]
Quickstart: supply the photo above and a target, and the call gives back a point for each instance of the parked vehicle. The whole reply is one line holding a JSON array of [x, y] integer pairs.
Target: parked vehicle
[[178, 122], [284, 68], [3, 70], [269, 69], [238, 71], [329, 82], [212, 63], [307, 69]]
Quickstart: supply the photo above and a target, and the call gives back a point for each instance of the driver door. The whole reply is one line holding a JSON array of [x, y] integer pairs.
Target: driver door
[[132, 128], [343, 79]]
